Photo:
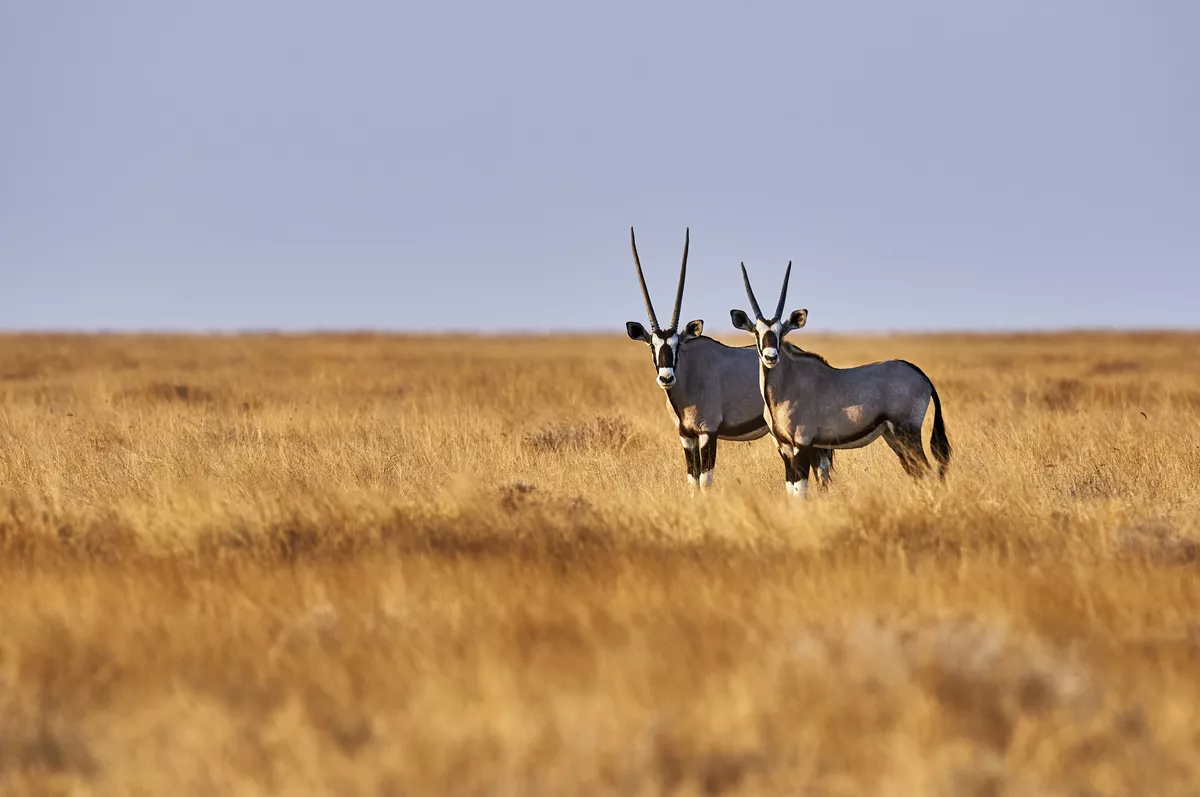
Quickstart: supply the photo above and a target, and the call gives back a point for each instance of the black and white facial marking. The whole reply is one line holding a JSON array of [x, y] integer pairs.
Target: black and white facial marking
[[663, 343], [666, 350], [664, 347], [768, 332]]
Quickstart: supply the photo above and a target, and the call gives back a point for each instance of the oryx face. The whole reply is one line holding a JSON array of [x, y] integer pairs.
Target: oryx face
[[664, 346], [663, 343], [768, 332]]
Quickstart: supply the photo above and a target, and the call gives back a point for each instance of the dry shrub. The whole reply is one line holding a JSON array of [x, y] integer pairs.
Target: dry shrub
[[1157, 541], [1095, 484], [1114, 367], [188, 394], [1061, 395], [21, 375], [37, 739], [603, 433]]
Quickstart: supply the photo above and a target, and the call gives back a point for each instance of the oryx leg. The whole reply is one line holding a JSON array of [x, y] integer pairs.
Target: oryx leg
[[691, 456], [802, 462], [708, 458], [906, 442], [789, 472], [822, 465]]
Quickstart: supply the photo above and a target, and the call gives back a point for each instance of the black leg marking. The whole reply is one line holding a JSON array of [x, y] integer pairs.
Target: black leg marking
[[802, 464], [823, 466], [907, 445], [708, 454], [789, 472], [691, 457]]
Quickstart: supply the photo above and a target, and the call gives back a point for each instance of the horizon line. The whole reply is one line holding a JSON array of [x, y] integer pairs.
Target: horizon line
[[525, 332]]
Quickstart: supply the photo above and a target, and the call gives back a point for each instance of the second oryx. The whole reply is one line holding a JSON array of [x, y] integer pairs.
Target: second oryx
[[812, 406], [712, 389]]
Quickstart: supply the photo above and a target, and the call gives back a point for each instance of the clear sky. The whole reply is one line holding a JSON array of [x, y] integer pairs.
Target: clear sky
[[298, 164]]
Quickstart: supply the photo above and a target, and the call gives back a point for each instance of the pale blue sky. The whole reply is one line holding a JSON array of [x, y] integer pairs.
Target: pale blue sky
[[297, 164]]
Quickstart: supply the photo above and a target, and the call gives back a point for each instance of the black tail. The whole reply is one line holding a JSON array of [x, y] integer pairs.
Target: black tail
[[939, 444]]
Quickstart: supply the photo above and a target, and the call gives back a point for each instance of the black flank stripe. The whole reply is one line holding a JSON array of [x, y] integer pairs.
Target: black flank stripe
[[879, 420], [743, 428]]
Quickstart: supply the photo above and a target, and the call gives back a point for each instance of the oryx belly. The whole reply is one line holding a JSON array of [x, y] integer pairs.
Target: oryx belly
[[751, 428], [742, 438], [814, 423], [869, 437], [694, 419]]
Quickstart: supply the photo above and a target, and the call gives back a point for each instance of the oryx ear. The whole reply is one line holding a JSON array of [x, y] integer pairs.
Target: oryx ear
[[797, 319], [694, 329], [741, 321], [636, 331]]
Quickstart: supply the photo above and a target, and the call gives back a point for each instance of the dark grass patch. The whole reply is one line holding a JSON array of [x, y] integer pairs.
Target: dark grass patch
[[189, 394], [606, 432], [1115, 367]]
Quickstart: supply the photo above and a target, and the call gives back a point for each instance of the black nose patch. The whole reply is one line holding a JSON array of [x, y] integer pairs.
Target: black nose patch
[[770, 340], [666, 357]]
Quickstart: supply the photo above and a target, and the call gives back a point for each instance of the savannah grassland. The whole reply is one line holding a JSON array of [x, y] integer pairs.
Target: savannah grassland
[[398, 565]]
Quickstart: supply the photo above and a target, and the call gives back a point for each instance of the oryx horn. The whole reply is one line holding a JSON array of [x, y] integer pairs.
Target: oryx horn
[[687, 235], [783, 292], [642, 280], [750, 294]]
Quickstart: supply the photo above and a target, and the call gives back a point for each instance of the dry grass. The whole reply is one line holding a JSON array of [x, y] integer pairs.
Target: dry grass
[[379, 565]]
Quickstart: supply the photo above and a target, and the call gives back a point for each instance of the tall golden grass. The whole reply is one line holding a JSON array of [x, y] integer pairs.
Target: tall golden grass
[[366, 564]]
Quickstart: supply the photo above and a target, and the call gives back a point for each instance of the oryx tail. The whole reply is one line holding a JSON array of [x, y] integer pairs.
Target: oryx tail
[[939, 444]]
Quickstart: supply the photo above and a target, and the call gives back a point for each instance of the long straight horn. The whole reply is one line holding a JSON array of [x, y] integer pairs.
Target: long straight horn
[[750, 294], [783, 292], [687, 235], [642, 280]]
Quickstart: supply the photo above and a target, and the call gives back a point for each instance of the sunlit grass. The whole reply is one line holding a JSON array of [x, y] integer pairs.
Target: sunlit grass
[[381, 565]]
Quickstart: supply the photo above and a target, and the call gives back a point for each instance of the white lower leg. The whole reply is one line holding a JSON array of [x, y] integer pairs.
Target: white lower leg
[[801, 488], [706, 479]]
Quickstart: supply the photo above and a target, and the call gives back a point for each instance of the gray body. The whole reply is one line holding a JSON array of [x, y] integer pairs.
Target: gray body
[[811, 406], [810, 403]]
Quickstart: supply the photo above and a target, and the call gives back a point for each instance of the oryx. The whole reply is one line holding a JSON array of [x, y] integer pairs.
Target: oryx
[[811, 406], [712, 389]]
